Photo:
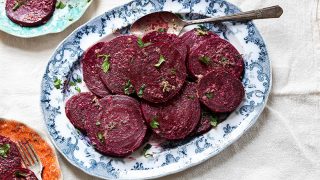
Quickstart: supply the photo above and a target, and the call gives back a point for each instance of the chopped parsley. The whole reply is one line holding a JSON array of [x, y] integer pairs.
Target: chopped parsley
[[127, 87], [60, 5], [224, 60], [57, 83], [106, 64], [201, 32], [77, 89], [209, 95], [154, 123], [71, 83], [145, 151], [20, 174], [213, 121], [4, 150], [100, 137], [192, 97], [161, 30], [141, 44], [79, 80], [17, 5], [98, 123], [161, 60], [205, 60], [140, 93]]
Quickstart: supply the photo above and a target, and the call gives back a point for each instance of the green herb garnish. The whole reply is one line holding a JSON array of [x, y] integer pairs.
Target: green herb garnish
[[77, 89], [205, 60], [161, 60], [224, 60], [98, 123], [4, 150], [213, 121], [141, 44], [57, 83], [106, 64], [79, 80], [161, 30], [192, 97], [209, 95], [20, 174], [71, 83], [140, 93], [17, 5], [201, 32], [60, 5], [154, 123], [173, 71], [145, 151], [127, 87], [100, 137]]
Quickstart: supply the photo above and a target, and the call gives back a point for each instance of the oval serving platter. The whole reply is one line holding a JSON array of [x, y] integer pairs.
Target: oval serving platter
[[61, 19], [64, 67]]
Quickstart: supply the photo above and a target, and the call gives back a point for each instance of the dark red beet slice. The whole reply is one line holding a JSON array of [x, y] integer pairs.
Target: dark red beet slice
[[177, 118], [157, 72], [30, 12], [19, 174], [117, 78], [196, 36], [213, 53], [91, 76], [205, 121], [118, 54], [119, 129], [9, 157], [220, 91], [164, 37], [80, 108]]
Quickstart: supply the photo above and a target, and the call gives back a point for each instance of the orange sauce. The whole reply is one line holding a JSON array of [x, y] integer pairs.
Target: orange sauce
[[19, 132]]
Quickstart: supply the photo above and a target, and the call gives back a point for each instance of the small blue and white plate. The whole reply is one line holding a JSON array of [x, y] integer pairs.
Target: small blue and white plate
[[64, 67], [61, 19]]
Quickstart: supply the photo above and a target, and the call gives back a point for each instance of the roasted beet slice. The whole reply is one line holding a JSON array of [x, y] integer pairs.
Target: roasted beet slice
[[220, 91], [30, 12], [80, 108], [213, 53], [115, 60], [20, 174], [120, 128], [207, 121], [157, 72], [9, 156], [196, 36], [90, 61], [164, 37], [177, 118]]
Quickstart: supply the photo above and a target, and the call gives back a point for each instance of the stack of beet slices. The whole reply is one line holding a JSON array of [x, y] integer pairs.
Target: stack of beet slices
[[138, 84], [11, 162]]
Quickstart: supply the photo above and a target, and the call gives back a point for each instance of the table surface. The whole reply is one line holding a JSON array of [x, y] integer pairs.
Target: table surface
[[283, 144]]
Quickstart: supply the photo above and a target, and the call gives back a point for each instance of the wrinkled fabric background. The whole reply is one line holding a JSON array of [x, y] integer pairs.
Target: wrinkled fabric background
[[283, 144]]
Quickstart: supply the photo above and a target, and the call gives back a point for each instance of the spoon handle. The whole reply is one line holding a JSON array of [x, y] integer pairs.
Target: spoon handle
[[265, 13]]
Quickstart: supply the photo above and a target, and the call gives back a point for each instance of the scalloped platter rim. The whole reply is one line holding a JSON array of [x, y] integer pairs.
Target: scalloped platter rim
[[61, 19], [64, 66]]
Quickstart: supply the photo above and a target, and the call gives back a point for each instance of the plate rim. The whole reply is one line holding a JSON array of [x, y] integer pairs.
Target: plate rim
[[226, 145]]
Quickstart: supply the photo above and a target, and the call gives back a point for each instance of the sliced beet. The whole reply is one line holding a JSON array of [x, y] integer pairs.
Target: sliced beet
[[9, 156], [119, 129], [220, 91], [177, 118], [20, 173], [164, 37], [206, 121], [117, 78], [196, 36], [90, 61], [213, 53], [118, 55], [30, 12], [80, 108], [157, 72]]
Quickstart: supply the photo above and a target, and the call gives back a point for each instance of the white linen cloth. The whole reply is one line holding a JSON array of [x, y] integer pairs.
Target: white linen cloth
[[283, 144]]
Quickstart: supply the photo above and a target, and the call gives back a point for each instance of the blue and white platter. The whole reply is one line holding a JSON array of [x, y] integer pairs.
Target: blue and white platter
[[65, 67]]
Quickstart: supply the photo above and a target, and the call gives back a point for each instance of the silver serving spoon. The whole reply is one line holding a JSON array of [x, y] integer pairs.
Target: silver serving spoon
[[171, 23]]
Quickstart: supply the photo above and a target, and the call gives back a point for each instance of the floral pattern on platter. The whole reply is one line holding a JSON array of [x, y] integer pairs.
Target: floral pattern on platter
[[61, 19], [64, 69]]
